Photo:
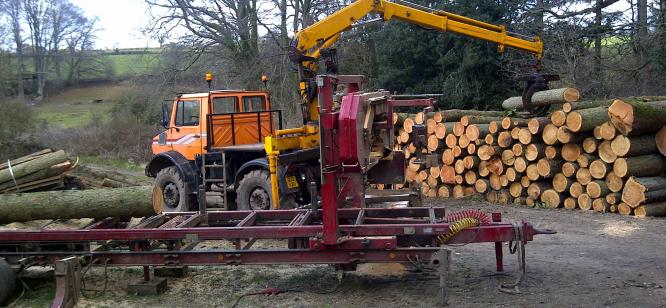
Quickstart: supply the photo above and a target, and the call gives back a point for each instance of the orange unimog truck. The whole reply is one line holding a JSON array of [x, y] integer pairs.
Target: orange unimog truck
[[213, 145]]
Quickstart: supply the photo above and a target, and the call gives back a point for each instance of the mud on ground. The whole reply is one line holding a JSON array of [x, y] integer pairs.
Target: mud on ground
[[594, 260]]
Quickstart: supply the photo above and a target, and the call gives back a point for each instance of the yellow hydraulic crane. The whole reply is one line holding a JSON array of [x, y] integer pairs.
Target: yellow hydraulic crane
[[312, 42]]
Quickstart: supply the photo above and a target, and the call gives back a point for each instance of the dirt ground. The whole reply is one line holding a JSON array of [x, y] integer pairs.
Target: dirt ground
[[594, 260]]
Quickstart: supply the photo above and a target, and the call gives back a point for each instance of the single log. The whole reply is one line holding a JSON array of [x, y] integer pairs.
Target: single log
[[459, 166], [525, 181], [485, 152], [583, 176], [569, 169], [660, 140], [558, 118], [483, 168], [544, 98], [530, 202], [495, 166], [504, 180], [440, 131], [515, 132], [495, 182], [607, 131], [403, 136], [614, 182], [458, 191], [457, 151], [584, 202], [430, 126], [23, 169], [624, 209], [399, 118], [508, 157], [653, 209], [489, 139], [509, 123], [644, 165], [637, 116], [451, 141], [408, 125], [568, 107], [470, 177], [432, 182], [535, 189], [447, 174], [571, 152], [482, 185], [422, 176], [599, 169], [613, 208], [536, 125], [532, 172], [471, 149], [552, 152], [443, 191], [504, 139], [520, 164], [435, 171], [494, 126], [447, 157], [549, 134], [471, 162], [597, 189], [517, 149], [524, 136], [458, 129], [633, 146], [590, 145], [548, 167], [452, 115], [596, 132], [473, 131], [576, 189], [434, 143], [606, 152], [564, 135], [551, 198], [534, 151], [36, 176], [639, 190], [73, 204], [463, 141], [468, 191], [561, 183], [491, 196], [503, 197], [584, 160], [613, 198], [570, 203], [518, 201], [425, 189], [600, 205], [586, 119], [414, 166]]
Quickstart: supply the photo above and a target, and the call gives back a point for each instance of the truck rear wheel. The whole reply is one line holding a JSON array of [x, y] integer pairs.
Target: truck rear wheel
[[176, 198], [7, 281]]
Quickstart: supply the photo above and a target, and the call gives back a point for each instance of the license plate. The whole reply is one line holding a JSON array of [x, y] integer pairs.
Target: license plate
[[291, 182]]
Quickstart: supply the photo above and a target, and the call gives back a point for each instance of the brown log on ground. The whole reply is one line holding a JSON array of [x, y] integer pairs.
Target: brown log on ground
[[551, 198], [624, 209], [606, 152], [471, 149], [28, 167], [463, 141], [552, 152], [485, 152], [26, 158], [491, 196], [599, 169], [653, 209], [432, 192], [408, 125], [482, 185], [495, 166], [440, 131], [50, 172], [660, 140], [584, 160], [558, 118], [443, 191], [518, 201], [459, 179], [434, 171], [457, 151], [532, 172], [470, 177], [569, 169], [494, 126], [515, 133], [503, 197], [504, 139], [571, 152], [536, 125], [633, 146], [597, 189], [451, 140], [517, 149], [495, 182], [458, 129], [468, 191], [432, 181], [520, 164], [399, 118], [452, 115], [614, 198], [459, 166], [434, 143], [607, 131], [632, 117], [430, 126], [584, 202], [447, 157], [508, 157], [614, 182], [127, 202], [511, 174], [483, 168], [570, 203], [473, 131], [583, 176], [530, 202], [524, 136], [535, 189], [549, 134], [564, 135], [586, 119], [644, 165], [576, 189], [534, 151], [600, 205], [504, 180], [561, 183], [458, 191], [525, 181], [471, 162], [639, 190], [489, 139], [516, 190], [613, 208], [544, 98], [590, 145], [548, 167]]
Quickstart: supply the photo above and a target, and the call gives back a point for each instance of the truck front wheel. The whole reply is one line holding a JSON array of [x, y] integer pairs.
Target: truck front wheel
[[254, 191], [7, 281], [174, 193]]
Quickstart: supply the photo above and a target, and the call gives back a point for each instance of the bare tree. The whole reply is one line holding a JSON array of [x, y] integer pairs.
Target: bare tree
[[13, 10]]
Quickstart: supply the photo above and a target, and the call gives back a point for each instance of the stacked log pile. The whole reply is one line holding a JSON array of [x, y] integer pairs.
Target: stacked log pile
[[606, 156], [90, 177], [43, 170]]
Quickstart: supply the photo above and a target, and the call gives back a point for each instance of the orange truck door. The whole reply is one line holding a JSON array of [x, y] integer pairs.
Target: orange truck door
[[186, 137]]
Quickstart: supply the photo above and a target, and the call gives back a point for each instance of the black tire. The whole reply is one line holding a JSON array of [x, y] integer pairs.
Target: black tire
[[176, 197], [7, 281], [254, 191]]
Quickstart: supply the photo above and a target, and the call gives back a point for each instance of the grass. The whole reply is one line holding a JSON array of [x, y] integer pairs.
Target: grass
[[134, 64], [114, 163]]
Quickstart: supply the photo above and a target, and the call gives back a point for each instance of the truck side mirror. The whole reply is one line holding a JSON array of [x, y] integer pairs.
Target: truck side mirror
[[165, 116]]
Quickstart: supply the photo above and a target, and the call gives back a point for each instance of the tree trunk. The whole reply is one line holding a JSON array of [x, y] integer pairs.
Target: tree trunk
[[644, 165], [599, 169], [644, 190], [399, 118], [583, 176], [584, 160], [590, 145], [26, 168], [607, 131], [558, 118], [455, 114], [520, 164], [532, 172], [660, 139], [571, 152], [625, 209], [606, 152], [614, 182], [551, 198], [440, 131], [536, 125], [543, 98], [121, 202], [504, 139], [584, 202], [600, 205], [549, 134], [633, 146], [569, 169], [548, 167], [517, 149], [632, 117], [535, 189], [653, 209], [525, 136], [576, 189], [561, 183], [613, 198], [474, 131], [586, 119], [597, 189], [570, 203]]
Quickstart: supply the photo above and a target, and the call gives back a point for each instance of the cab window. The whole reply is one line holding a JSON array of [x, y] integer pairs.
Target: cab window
[[254, 103], [225, 104], [187, 113]]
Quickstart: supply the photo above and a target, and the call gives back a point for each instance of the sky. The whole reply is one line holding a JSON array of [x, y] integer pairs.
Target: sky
[[120, 22]]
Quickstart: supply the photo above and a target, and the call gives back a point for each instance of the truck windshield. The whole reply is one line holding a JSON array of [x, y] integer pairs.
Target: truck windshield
[[187, 113]]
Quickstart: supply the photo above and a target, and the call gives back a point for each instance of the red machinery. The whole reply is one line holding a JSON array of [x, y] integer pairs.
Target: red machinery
[[354, 140]]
